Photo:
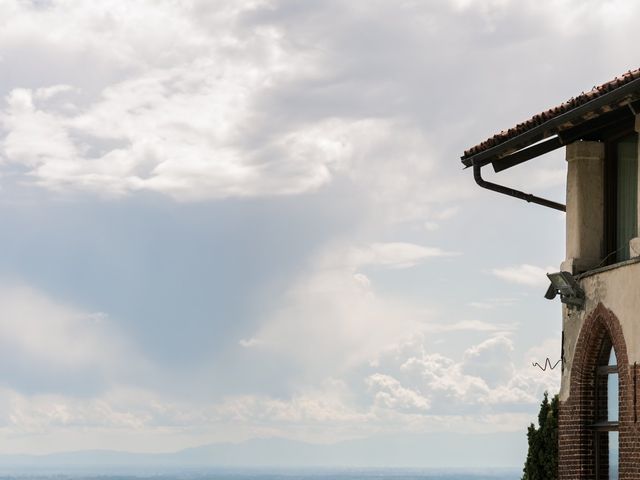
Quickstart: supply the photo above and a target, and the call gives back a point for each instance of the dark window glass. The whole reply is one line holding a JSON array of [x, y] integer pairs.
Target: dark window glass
[[621, 196], [626, 178]]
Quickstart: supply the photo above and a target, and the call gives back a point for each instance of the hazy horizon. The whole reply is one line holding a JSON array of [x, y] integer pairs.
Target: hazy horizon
[[277, 453]]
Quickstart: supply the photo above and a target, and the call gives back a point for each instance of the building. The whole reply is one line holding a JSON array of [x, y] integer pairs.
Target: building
[[599, 434]]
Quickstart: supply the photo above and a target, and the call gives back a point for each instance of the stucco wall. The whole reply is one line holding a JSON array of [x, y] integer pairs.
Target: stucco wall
[[585, 205], [618, 289]]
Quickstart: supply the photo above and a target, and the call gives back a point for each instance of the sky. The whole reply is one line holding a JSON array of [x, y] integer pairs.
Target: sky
[[230, 220]]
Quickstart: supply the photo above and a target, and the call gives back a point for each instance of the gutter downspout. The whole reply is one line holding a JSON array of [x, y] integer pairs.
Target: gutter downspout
[[477, 176]]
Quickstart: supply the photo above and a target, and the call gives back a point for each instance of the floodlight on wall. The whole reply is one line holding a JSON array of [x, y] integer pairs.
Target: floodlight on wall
[[564, 284]]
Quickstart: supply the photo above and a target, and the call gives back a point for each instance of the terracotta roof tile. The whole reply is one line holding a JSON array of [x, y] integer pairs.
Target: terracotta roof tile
[[553, 112]]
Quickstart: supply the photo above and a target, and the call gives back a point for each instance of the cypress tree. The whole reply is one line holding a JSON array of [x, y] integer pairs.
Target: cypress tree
[[542, 457]]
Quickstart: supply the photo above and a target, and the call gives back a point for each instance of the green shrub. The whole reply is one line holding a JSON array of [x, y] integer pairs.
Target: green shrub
[[542, 457]]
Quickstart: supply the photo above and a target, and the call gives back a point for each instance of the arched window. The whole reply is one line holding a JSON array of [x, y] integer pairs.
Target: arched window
[[606, 414]]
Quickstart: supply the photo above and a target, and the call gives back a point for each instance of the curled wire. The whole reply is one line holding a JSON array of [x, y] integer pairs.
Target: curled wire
[[547, 365]]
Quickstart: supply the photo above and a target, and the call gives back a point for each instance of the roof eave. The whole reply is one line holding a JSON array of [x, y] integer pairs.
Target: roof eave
[[603, 103]]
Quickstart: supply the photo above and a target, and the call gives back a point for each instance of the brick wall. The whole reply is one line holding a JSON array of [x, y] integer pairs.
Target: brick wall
[[576, 439]]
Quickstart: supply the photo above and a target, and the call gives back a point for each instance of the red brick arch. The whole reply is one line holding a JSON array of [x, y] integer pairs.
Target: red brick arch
[[577, 413]]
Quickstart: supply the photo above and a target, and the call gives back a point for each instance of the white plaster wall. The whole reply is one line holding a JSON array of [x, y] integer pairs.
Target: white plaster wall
[[618, 289]]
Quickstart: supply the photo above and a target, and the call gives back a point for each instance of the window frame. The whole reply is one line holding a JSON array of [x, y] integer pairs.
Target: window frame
[[599, 427]]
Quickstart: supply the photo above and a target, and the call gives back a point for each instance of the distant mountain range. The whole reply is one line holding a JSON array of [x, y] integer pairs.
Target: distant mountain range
[[502, 450]]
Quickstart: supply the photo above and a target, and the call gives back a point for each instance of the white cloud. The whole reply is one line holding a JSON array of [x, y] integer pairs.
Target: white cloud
[[467, 325], [189, 117], [248, 343], [524, 274], [389, 393], [134, 419], [333, 321], [407, 389], [548, 178], [332, 317], [328, 403], [492, 303], [395, 255], [24, 123], [490, 360], [445, 378], [164, 141], [179, 117], [570, 13], [51, 346], [46, 93], [488, 374], [447, 213]]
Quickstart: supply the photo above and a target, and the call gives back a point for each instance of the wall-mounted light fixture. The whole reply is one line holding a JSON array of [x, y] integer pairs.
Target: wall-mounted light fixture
[[570, 292]]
